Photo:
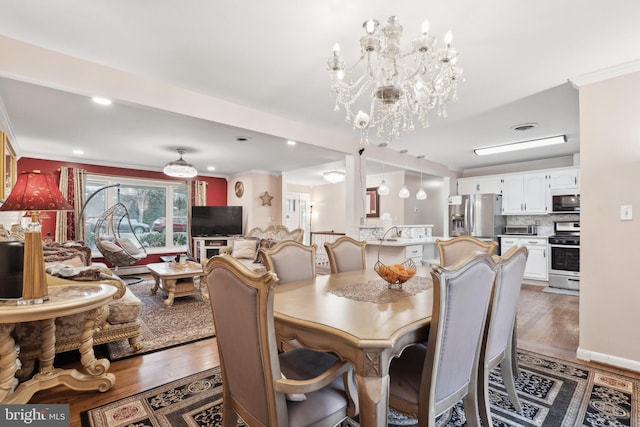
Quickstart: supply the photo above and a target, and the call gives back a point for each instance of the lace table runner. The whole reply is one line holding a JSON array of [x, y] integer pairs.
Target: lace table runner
[[378, 292]]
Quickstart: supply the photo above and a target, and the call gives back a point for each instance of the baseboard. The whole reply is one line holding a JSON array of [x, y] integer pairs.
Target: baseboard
[[136, 269], [607, 359]]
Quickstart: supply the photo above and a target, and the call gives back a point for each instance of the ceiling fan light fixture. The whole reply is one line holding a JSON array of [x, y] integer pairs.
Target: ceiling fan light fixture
[[180, 168], [333, 177], [534, 143]]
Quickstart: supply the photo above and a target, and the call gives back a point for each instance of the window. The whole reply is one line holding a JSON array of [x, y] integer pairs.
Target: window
[[157, 210]]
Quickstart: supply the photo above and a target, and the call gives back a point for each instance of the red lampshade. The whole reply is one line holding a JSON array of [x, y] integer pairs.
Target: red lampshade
[[35, 191]]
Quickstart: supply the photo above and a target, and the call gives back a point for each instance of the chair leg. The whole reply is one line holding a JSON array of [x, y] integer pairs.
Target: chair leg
[[509, 380], [471, 410], [483, 396]]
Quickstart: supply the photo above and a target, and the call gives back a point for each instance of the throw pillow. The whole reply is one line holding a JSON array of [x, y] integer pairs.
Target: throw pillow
[[245, 248], [129, 246], [110, 246], [264, 244]]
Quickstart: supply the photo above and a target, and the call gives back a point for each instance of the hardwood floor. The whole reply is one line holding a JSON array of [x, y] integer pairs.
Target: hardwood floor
[[547, 324]]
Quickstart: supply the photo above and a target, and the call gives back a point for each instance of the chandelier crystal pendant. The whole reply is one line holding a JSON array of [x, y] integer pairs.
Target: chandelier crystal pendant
[[180, 168], [402, 86]]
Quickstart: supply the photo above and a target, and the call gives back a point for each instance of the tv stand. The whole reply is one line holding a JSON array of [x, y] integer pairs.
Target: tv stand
[[207, 247]]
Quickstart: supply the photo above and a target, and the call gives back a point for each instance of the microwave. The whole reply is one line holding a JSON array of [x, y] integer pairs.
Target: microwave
[[565, 201]]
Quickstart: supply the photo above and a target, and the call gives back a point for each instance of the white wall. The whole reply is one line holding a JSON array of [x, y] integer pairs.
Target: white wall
[[610, 172], [329, 208]]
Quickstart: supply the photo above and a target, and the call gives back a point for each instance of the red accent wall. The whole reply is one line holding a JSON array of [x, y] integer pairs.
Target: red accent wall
[[216, 187]]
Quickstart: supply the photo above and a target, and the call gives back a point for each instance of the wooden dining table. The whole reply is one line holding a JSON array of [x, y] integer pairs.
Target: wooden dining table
[[355, 316]]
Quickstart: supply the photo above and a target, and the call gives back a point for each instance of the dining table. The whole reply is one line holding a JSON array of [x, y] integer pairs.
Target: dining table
[[358, 317]]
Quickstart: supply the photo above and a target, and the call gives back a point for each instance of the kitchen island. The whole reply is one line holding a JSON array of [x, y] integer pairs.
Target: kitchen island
[[423, 251]]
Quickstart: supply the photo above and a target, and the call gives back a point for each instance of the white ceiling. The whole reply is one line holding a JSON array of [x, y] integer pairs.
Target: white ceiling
[[270, 56]]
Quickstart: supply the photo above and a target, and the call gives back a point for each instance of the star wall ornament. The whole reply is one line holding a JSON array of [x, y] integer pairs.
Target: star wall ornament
[[266, 199]]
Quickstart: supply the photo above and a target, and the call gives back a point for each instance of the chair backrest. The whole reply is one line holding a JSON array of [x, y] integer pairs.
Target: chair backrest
[[291, 261], [460, 304], [242, 305], [454, 250], [504, 302], [346, 254]]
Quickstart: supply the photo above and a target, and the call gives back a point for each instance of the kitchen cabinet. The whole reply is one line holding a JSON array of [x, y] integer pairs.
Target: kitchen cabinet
[[525, 194], [564, 178], [480, 185], [537, 262], [415, 253]]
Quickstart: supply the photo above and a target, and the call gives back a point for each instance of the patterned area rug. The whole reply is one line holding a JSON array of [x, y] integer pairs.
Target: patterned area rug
[[188, 319], [553, 393]]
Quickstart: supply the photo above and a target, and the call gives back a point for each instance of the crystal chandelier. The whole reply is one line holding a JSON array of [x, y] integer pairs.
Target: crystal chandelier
[[180, 168], [403, 86]]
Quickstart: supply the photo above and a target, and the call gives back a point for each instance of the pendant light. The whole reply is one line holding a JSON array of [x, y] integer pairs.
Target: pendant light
[[421, 195], [404, 192], [383, 190]]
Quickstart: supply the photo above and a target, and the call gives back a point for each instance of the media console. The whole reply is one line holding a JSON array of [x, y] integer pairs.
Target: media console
[[207, 247]]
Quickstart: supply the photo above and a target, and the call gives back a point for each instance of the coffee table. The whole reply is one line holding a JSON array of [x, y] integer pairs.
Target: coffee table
[[178, 281]]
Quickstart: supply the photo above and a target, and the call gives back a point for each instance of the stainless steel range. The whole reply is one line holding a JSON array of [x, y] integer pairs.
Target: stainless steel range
[[564, 262]]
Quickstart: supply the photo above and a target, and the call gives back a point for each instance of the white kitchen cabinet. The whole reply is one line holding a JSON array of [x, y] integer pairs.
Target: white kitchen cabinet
[[564, 178], [524, 194], [415, 253], [480, 185], [537, 261]]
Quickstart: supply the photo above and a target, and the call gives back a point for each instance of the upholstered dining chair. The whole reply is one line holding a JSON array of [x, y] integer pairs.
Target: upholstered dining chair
[[291, 261], [346, 254], [426, 380], [256, 378], [499, 341], [454, 250]]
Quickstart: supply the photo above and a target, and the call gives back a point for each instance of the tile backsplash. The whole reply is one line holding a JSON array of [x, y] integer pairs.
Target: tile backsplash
[[543, 223]]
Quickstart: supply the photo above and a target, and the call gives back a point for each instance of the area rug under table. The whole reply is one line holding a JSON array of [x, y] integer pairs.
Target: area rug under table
[[553, 393], [189, 319]]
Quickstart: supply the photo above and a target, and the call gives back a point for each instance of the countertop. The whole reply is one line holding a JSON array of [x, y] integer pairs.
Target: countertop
[[406, 242]]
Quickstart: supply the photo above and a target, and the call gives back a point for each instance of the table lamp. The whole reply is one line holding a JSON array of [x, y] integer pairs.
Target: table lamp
[[34, 192]]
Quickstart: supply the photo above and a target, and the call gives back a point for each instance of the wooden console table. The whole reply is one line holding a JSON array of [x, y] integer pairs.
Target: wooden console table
[[64, 300], [177, 282]]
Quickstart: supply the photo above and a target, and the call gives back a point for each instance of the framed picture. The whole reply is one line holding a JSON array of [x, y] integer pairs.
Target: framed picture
[[373, 203], [8, 167]]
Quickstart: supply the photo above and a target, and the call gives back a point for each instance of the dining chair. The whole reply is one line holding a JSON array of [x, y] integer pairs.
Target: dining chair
[[426, 380], [346, 254], [256, 379], [454, 250], [291, 261], [499, 346]]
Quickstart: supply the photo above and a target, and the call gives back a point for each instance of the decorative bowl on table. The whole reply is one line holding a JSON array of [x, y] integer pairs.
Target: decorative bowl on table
[[395, 275]]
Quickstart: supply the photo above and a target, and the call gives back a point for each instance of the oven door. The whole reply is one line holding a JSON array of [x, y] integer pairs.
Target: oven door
[[564, 260]]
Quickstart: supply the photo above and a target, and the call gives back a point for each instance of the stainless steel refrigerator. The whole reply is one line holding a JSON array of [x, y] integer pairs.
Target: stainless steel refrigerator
[[477, 215]]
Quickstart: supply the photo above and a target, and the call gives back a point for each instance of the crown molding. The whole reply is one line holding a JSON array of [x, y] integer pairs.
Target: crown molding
[[605, 74]]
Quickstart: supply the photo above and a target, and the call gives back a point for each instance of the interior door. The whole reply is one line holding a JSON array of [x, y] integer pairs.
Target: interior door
[[292, 217]]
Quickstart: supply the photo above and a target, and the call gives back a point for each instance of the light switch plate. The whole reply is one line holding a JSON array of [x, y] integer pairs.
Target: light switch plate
[[626, 212]]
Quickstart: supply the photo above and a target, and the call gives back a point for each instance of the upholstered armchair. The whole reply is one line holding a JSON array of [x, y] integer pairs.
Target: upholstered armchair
[[459, 248], [346, 254], [259, 383], [427, 380]]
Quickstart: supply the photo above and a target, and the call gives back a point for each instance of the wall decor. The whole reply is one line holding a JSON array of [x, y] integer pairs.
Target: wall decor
[[372, 207], [8, 167], [266, 198], [239, 189]]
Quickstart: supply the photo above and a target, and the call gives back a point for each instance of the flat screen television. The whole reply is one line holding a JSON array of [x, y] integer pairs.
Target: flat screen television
[[211, 221]]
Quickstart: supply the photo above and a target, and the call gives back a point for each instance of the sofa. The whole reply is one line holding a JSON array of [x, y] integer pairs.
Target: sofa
[[246, 248], [70, 264]]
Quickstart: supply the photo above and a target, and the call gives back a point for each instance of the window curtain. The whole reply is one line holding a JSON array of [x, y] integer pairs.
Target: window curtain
[[197, 191], [72, 182]]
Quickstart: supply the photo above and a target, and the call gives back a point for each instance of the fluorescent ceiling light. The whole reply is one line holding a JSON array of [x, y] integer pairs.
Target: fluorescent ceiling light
[[561, 139]]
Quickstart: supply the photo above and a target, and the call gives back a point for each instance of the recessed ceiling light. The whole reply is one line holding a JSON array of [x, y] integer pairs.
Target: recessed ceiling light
[[383, 144], [211, 168], [242, 138], [78, 152], [404, 151], [524, 126], [290, 142], [535, 143], [101, 100]]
